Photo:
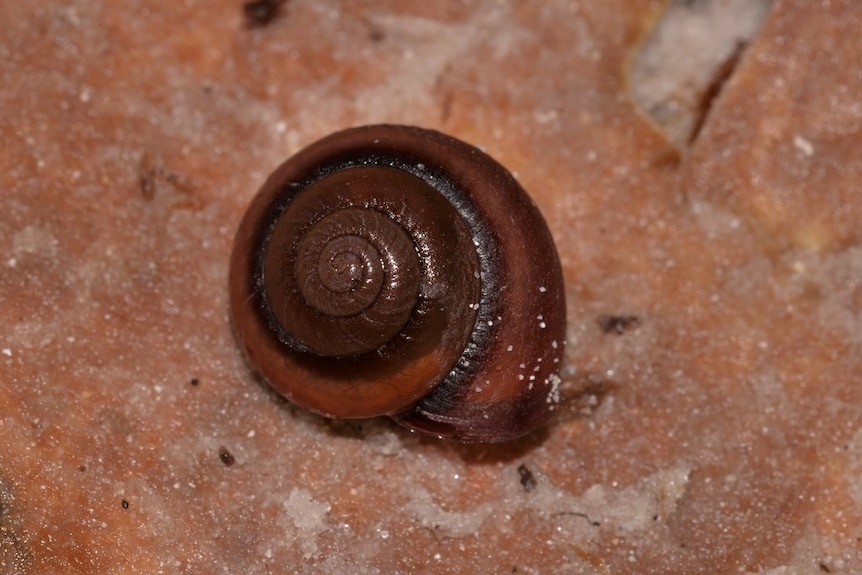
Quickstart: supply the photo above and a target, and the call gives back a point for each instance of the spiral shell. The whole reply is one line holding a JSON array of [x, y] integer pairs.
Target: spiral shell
[[390, 270]]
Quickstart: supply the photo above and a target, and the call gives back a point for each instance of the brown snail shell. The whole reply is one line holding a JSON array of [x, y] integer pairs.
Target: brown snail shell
[[392, 270]]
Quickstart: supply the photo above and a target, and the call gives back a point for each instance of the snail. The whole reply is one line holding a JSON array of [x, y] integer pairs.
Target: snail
[[393, 270]]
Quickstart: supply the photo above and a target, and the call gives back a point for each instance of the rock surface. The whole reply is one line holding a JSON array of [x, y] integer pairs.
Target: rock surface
[[719, 433]]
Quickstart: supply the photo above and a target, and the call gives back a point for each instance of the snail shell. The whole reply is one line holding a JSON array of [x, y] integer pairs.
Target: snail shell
[[392, 270]]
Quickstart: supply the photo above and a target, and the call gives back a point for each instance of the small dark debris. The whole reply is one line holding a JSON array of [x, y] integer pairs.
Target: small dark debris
[[260, 13], [226, 457], [82, 468], [824, 567], [152, 177], [377, 35], [578, 514], [125, 504], [618, 324], [195, 381], [148, 172], [528, 480]]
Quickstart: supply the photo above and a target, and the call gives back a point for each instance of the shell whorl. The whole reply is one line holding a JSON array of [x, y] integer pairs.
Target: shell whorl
[[398, 271]]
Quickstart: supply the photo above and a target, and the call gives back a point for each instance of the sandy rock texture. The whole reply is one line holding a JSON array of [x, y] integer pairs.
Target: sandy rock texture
[[718, 433]]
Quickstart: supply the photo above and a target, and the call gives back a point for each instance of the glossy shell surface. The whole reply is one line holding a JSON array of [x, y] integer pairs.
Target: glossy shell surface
[[457, 327]]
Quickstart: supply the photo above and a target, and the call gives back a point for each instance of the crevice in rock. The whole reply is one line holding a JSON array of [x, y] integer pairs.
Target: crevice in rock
[[682, 66]]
